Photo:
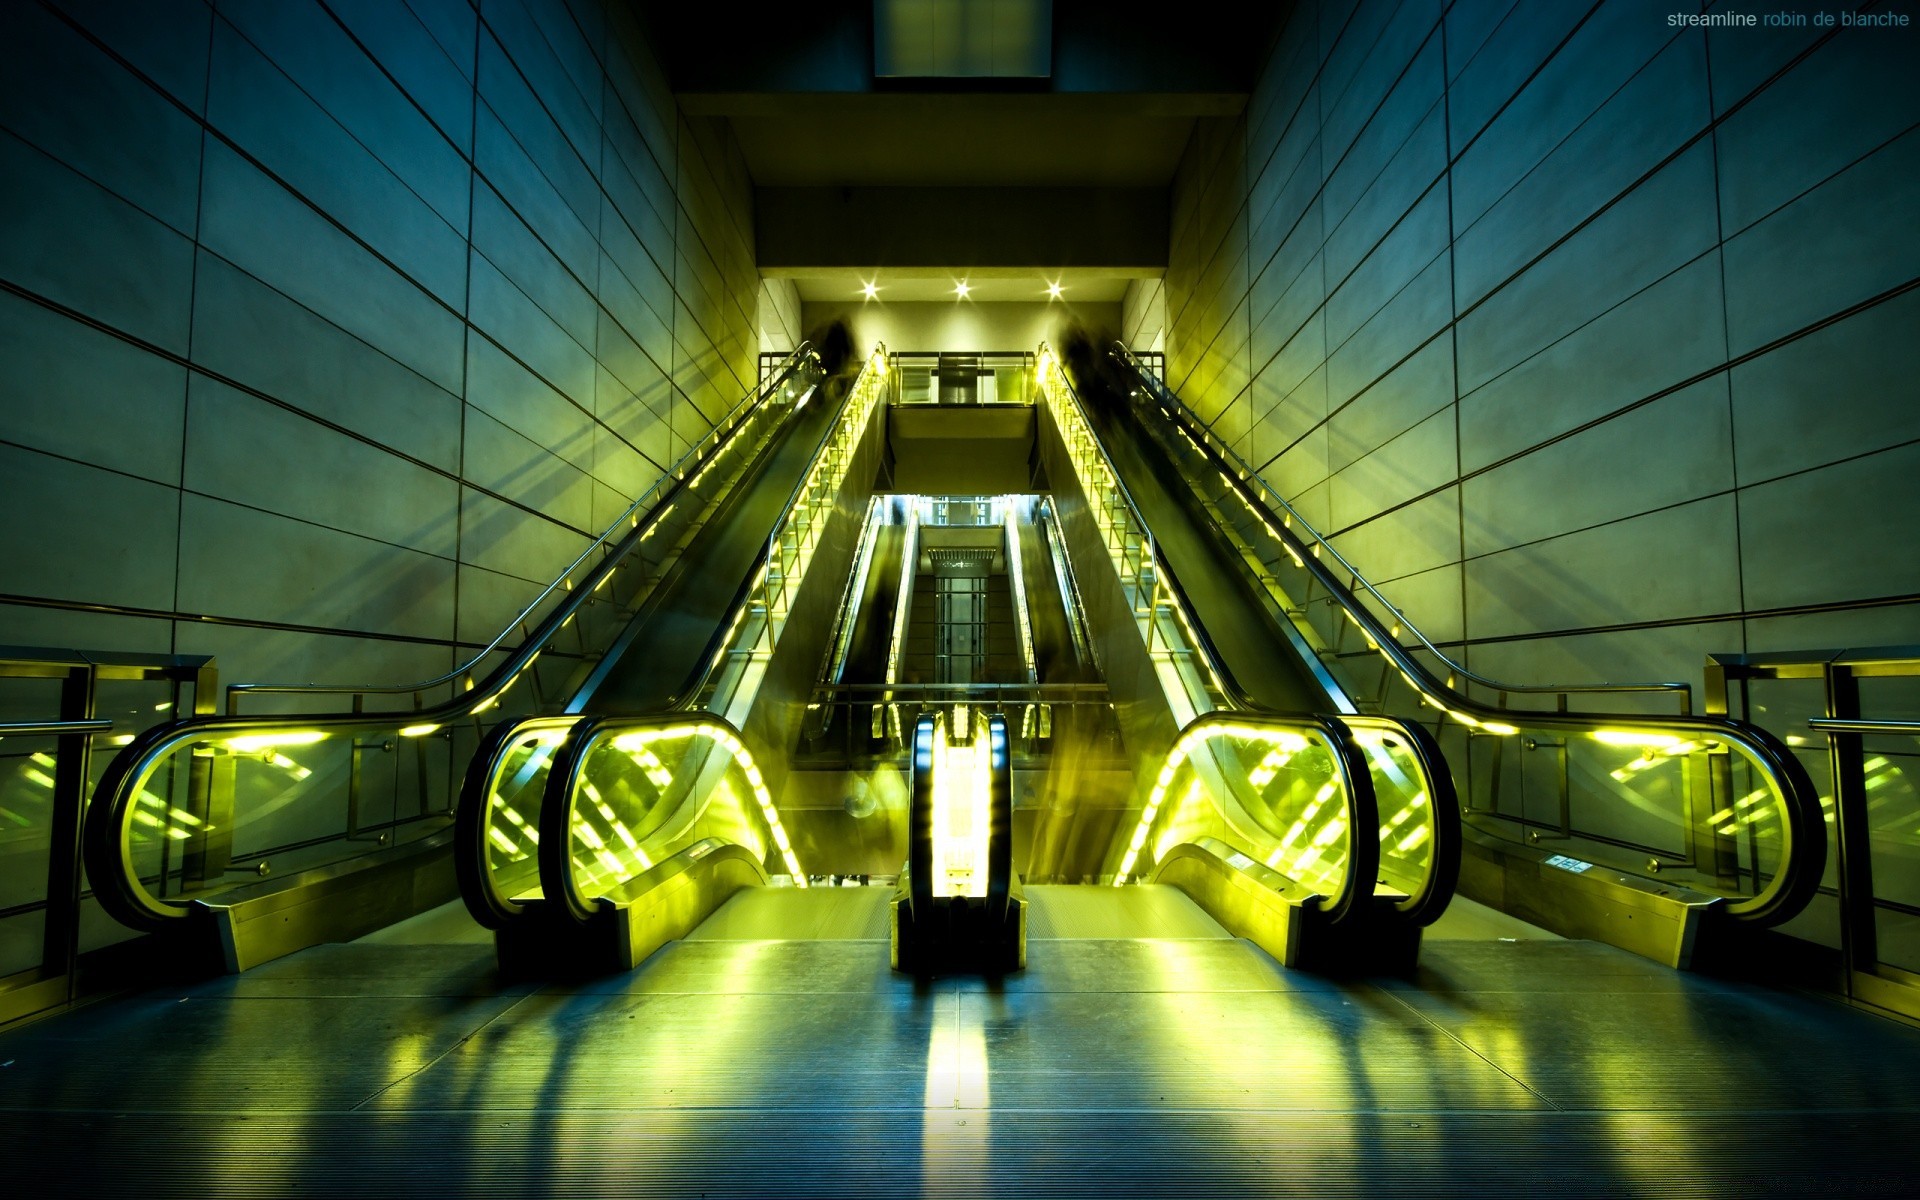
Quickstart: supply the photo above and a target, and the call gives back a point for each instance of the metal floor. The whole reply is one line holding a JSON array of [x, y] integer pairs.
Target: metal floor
[[1188, 1063]]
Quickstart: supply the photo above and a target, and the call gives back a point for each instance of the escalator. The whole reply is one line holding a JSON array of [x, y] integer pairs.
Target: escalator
[[1661, 833], [243, 837], [589, 836]]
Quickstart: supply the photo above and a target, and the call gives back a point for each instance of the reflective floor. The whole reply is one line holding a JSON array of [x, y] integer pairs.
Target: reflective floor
[[736, 1063]]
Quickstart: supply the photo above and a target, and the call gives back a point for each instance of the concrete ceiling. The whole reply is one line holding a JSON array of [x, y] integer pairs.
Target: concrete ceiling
[[956, 141], [1127, 81]]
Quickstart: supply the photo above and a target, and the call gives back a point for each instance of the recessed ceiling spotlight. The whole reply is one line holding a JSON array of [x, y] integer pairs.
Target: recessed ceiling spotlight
[[869, 290], [961, 289], [1053, 291]]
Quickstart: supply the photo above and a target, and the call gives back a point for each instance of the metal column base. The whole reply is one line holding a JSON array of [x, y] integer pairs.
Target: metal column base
[[1285, 919], [662, 905], [957, 933]]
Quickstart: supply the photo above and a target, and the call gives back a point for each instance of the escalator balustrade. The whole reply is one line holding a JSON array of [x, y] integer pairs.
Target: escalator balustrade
[[252, 835], [1691, 824]]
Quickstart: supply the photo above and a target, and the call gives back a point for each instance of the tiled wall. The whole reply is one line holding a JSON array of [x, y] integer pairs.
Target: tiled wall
[[329, 329], [1589, 336]]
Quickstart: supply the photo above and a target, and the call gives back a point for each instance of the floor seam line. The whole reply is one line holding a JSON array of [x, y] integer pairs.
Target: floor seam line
[[1450, 1036], [441, 1057]]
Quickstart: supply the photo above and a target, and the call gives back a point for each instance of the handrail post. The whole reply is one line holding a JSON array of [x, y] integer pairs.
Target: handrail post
[[1859, 946], [61, 934]]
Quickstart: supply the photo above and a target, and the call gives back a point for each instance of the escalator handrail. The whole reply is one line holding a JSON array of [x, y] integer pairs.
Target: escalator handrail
[[999, 821], [723, 633], [1424, 906], [473, 820], [1239, 473], [1237, 697], [559, 887], [107, 850], [920, 821], [1803, 828], [684, 467], [1354, 899], [476, 788]]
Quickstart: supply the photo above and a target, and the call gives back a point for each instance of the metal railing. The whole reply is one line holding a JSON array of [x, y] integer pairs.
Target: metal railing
[[993, 377], [46, 768], [1870, 766]]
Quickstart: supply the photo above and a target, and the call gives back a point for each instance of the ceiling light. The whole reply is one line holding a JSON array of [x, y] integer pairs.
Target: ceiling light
[[961, 289], [1053, 291], [869, 291]]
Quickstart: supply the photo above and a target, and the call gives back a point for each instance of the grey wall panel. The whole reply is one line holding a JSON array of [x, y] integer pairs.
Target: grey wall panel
[[243, 563], [511, 318], [261, 111], [72, 241], [1399, 255], [74, 391], [164, 40], [1845, 241], [519, 181], [1417, 461], [511, 465], [245, 450], [1678, 448], [1408, 177], [1639, 126], [571, 103], [1849, 97], [513, 250], [499, 537], [56, 507], [1844, 390], [1469, 23], [613, 298], [1659, 227], [453, 25], [1661, 337], [1432, 600], [1674, 562], [1420, 538], [523, 116], [1401, 327], [122, 133], [518, 399], [1398, 77], [250, 333], [434, 75], [490, 602], [1359, 160], [303, 40], [259, 226], [1839, 533], [1486, 73], [1409, 394], [1598, 57], [1588, 319]]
